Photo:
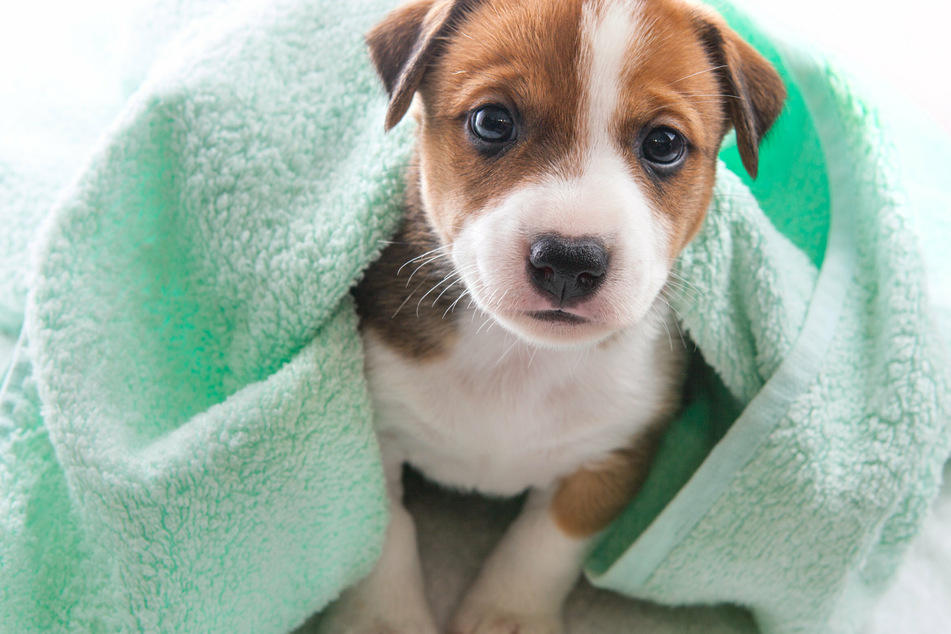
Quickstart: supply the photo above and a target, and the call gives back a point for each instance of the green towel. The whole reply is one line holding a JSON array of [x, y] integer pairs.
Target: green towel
[[185, 438]]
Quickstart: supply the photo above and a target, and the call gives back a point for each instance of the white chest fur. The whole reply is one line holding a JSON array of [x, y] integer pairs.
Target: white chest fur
[[498, 416]]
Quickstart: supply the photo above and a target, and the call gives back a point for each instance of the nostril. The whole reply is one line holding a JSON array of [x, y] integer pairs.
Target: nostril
[[567, 268], [588, 278]]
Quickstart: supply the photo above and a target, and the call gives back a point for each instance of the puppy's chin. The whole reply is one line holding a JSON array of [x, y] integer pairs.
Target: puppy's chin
[[552, 328], [512, 302], [555, 329]]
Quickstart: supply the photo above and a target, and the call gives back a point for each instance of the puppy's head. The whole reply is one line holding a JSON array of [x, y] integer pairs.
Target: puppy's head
[[567, 148]]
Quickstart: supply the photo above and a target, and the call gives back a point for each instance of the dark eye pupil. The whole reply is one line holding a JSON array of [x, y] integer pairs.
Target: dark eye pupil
[[663, 146], [492, 123]]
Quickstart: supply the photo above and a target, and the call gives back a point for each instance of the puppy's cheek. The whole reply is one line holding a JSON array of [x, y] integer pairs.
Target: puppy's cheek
[[439, 205], [647, 244], [488, 254]]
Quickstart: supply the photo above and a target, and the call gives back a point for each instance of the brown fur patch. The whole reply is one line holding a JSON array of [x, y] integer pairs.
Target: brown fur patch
[[591, 498], [405, 43], [754, 92], [392, 298]]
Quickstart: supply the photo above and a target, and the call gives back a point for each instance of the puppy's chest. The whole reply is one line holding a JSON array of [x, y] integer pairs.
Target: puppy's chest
[[495, 415]]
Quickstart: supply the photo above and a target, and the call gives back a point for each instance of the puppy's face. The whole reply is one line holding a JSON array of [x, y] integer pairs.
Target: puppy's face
[[567, 148]]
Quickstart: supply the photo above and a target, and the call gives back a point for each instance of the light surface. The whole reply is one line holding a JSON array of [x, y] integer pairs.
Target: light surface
[[906, 45]]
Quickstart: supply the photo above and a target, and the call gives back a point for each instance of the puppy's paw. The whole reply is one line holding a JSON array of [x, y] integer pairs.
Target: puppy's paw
[[499, 621], [356, 614]]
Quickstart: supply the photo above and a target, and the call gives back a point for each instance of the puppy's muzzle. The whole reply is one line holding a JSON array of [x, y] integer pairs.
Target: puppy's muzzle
[[567, 271]]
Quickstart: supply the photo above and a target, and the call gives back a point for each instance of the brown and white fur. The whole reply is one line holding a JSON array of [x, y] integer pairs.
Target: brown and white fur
[[516, 330]]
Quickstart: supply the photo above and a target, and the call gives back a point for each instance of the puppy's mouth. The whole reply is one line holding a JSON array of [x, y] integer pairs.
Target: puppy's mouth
[[558, 317], [528, 315]]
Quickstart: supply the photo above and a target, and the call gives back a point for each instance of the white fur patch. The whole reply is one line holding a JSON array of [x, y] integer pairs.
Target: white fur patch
[[610, 35], [529, 574], [499, 415]]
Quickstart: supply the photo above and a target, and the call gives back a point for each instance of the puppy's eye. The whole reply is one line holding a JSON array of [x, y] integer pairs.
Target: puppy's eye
[[492, 123], [663, 146]]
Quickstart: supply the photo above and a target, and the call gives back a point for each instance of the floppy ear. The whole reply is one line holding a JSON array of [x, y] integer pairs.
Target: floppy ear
[[404, 44], [753, 89]]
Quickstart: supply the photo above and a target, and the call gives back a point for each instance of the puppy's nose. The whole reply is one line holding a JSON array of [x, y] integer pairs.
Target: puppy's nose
[[567, 269]]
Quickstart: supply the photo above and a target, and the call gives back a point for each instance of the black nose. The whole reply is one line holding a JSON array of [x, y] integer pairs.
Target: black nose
[[567, 269]]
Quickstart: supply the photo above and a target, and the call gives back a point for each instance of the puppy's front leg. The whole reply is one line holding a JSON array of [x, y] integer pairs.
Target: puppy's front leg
[[391, 599], [526, 578], [525, 581]]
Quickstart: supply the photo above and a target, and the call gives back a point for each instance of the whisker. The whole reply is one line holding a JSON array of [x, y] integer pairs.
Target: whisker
[[701, 72], [420, 257], [502, 298], [688, 289], [678, 277], [405, 301], [531, 358], [507, 350], [690, 94], [690, 293], [438, 297], [663, 322], [453, 305], [487, 321], [487, 317], [677, 321], [680, 331], [429, 261], [435, 286]]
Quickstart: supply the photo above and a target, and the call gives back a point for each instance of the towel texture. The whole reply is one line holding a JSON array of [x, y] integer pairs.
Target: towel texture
[[185, 438]]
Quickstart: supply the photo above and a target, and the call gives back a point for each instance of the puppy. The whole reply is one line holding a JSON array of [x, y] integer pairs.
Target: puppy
[[516, 330]]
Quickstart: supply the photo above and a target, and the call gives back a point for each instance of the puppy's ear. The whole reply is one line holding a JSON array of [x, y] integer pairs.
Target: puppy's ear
[[404, 44], [753, 89]]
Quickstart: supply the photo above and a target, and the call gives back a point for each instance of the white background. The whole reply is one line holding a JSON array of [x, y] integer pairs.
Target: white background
[[906, 43]]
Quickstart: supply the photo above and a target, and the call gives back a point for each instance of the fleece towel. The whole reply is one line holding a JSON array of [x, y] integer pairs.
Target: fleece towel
[[185, 432], [185, 439]]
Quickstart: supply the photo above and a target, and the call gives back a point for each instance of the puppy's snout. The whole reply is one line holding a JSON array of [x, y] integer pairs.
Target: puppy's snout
[[567, 270]]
